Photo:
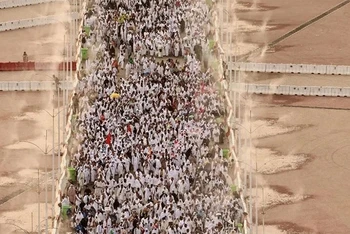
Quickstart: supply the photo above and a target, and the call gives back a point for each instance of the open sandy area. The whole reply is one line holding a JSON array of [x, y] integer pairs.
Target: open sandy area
[[300, 145], [33, 11], [320, 181], [323, 42], [23, 119], [42, 44]]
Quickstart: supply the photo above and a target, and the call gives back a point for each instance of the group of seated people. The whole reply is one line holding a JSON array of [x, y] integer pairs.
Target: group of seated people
[[148, 147]]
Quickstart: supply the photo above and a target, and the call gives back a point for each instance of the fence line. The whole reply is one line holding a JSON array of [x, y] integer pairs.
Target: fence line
[[232, 149], [290, 68], [19, 3], [39, 21], [34, 85], [325, 91], [63, 177]]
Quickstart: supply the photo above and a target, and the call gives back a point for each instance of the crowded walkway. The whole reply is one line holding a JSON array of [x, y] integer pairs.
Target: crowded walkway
[[150, 156]]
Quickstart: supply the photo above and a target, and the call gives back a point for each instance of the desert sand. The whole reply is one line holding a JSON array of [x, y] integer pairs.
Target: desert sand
[[23, 117], [322, 143], [42, 44], [300, 145], [323, 42]]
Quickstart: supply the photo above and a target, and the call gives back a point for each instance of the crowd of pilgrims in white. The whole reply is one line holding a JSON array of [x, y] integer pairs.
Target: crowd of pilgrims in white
[[149, 161]]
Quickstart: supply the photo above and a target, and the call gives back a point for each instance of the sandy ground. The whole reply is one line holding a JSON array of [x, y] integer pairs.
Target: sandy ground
[[296, 79], [42, 43], [301, 153], [323, 42], [33, 11], [301, 149], [23, 117]]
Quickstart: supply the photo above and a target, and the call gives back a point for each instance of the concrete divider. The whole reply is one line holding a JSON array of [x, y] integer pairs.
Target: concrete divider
[[282, 90], [305, 91], [13, 86], [336, 92], [34, 85], [4, 86], [315, 91], [258, 89], [345, 92], [257, 67], [311, 68], [337, 70], [238, 66], [40, 21], [326, 91], [290, 68], [342, 70], [294, 68], [331, 69], [321, 69], [280, 68], [291, 90], [341, 92], [272, 68]]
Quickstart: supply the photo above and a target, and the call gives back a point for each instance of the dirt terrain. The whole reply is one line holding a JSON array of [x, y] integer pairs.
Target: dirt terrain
[[302, 151], [323, 42], [24, 121], [323, 138]]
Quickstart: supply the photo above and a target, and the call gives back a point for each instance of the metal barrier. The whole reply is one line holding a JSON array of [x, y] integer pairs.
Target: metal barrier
[[34, 85], [290, 68], [40, 21], [19, 3], [326, 91]]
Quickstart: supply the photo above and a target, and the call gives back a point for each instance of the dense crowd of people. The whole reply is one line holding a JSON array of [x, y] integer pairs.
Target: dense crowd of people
[[149, 157]]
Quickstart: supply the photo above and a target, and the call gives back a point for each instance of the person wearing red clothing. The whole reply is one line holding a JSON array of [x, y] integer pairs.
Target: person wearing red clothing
[[128, 127], [109, 139]]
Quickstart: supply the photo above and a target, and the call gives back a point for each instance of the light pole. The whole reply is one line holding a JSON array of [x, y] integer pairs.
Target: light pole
[[263, 209], [236, 77], [250, 131], [256, 170], [63, 88], [45, 152], [53, 115], [236, 110], [57, 81], [38, 202]]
